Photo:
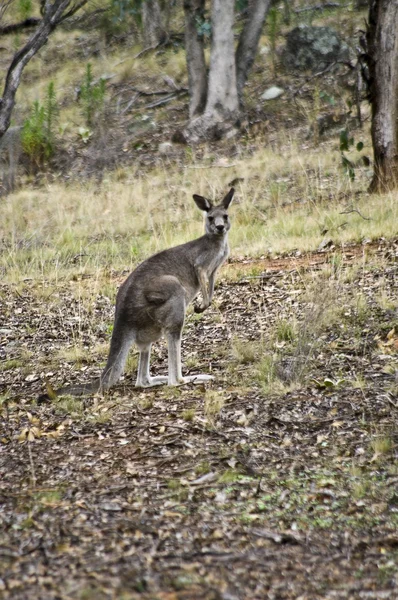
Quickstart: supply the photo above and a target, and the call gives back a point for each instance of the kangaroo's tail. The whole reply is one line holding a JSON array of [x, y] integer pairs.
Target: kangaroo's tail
[[121, 341], [72, 390]]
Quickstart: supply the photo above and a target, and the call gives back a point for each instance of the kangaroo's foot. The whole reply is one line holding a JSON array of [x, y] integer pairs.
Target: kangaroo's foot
[[161, 380], [192, 379], [151, 381]]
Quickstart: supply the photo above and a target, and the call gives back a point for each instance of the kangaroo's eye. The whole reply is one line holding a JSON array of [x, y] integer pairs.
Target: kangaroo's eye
[[225, 217], [211, 219]]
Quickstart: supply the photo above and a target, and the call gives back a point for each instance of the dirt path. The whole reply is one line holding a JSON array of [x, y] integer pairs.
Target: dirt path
[[273, 483]]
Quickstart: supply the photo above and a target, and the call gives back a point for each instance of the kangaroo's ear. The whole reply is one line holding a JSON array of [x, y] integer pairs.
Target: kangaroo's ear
[[228, 198], [202, 203]]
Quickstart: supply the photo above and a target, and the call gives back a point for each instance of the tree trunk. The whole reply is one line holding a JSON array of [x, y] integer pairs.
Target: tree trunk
[[222, 106], [154, 33], [197, 75], [382, 42], [248, 42], [54, 14], [222, 99]]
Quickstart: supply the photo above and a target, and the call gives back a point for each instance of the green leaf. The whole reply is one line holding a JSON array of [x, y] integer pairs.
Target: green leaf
[[344, 140]]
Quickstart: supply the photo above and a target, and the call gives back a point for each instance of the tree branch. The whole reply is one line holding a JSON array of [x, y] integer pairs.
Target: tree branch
[[53, 14], [15, 27]]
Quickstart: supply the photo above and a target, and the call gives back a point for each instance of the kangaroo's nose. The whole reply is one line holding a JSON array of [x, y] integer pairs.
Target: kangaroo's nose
[[220, 227]]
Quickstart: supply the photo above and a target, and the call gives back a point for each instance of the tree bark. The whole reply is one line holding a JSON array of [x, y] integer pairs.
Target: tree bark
[[382, 42], [54, 14], [197, 74], [222, 99], [152, 23], [222, 107], [248, 41]]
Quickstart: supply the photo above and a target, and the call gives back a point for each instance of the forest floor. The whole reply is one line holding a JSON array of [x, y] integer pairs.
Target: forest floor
[[278, 480]]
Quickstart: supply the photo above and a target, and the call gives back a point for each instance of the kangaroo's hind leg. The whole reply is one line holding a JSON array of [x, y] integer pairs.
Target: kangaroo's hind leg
[[172, 314], [166, 307], [175, 372], [143, 377]]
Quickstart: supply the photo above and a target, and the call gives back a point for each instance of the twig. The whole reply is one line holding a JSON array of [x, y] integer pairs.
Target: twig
[[145, 50], [211, 166], [156, 93], [32, 466], [351, 210], [320, 7], [130, 103], [163, 100], [391, 402]]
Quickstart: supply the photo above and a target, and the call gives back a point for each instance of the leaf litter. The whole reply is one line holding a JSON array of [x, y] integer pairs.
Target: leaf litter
[[254, 486]]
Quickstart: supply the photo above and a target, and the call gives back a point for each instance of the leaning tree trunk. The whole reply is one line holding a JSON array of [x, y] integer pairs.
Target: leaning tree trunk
[[196, 64], [54, 14], [222, 107], [382, 41], [152, 23], [248, 41]]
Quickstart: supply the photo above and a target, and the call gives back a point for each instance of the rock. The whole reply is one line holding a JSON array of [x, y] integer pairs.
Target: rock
[[313, 48], [272, 92], [361, 4], [326, 244], [165, 147]]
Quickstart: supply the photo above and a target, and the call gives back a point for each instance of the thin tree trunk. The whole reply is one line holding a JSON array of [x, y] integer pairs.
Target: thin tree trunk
[[152, 23], [382, 41], [197, 75], [222, 106], [54, 14], [248, 41]]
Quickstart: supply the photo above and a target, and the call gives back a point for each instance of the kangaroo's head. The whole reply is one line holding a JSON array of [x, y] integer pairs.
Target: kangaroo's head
[[217, 221]]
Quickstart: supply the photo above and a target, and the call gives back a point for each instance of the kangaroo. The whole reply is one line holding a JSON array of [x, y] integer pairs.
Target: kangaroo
[[152, 302]]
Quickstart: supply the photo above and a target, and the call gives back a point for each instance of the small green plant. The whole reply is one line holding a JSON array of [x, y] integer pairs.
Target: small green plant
[[286, 331], [244, 351], [38, 136], [203, 25], [92, 95], [25, 8], [214, 401], [266, 371], [346, 144], [188, 414]]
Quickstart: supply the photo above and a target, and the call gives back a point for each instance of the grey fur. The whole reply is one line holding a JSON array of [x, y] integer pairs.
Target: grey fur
[[152, 301]]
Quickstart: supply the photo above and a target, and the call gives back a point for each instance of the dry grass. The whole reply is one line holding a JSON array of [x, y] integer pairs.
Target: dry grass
[[57, 230]]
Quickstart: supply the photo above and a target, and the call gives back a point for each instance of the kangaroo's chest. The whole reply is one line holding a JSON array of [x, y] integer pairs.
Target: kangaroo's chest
[[220, 257]]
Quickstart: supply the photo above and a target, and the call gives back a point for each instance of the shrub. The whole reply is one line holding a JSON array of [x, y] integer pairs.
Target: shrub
[[92, 95], [38, 138]]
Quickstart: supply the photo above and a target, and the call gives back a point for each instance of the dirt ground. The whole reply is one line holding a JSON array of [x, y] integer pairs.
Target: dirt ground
[[265, 484]]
